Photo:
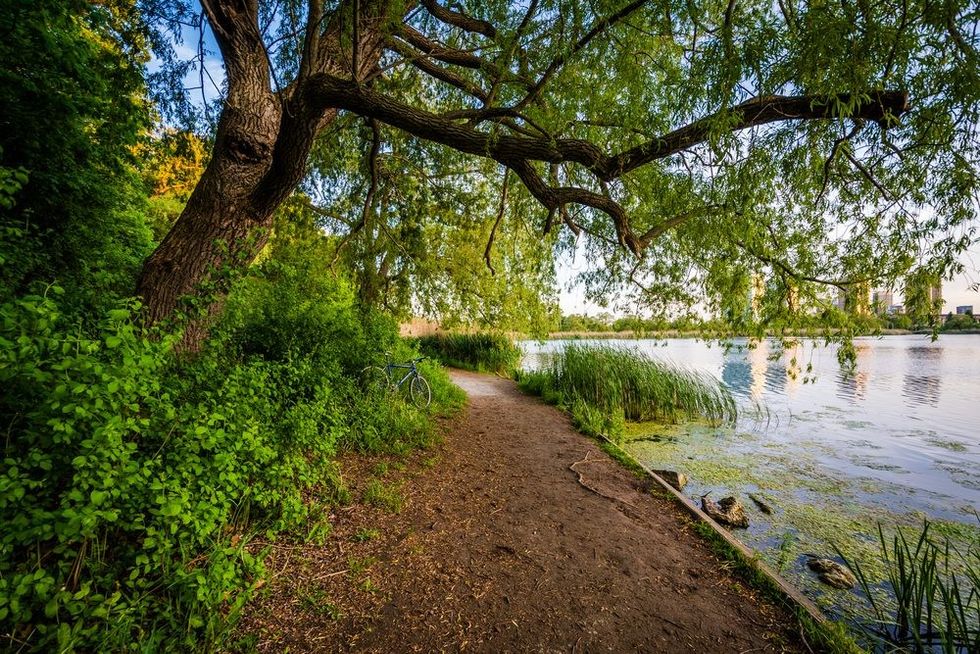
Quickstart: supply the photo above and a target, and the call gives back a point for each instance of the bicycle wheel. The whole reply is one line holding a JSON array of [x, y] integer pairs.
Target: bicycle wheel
[[420, 392], [375, 378]]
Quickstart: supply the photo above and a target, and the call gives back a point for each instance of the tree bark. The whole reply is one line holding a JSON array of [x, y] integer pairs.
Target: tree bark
[[261, 147]]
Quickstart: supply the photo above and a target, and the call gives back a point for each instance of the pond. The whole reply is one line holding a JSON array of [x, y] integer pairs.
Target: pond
[[834, 454]]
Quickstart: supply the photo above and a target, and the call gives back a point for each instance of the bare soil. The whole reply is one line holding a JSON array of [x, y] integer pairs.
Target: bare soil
[[516, 534]]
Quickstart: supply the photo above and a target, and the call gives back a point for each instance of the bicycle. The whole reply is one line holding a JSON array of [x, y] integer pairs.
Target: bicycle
[[418, 388]]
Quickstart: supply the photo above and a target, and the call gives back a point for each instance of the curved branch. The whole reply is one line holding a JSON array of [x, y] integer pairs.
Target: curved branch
[[424, 64], [496, 224], [438, 51], [459, 19], [881, 106], [517, 151], [554, 198]]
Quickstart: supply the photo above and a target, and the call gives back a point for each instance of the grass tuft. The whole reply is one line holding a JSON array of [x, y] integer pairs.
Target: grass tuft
[[933, 603], [603, 386], [383, 496]]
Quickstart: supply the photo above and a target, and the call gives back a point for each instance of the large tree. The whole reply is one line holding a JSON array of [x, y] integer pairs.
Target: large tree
[[829, 142]]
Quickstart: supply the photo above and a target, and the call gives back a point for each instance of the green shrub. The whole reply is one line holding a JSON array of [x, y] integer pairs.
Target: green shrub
[[603, 386], [482, 351], [131, 481]]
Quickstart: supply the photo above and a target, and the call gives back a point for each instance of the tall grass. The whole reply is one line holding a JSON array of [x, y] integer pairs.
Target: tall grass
[[627, 383], [482, 351], [929, 600]]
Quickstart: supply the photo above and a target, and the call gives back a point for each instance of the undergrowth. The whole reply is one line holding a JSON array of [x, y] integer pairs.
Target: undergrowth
[[133, 481], [482, 351]]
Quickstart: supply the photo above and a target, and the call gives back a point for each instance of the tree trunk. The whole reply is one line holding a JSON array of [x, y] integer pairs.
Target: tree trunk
[[220, 224], [260, 152]]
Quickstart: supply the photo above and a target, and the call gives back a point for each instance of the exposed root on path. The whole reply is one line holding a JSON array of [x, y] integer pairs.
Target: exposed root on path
[[595, 484]]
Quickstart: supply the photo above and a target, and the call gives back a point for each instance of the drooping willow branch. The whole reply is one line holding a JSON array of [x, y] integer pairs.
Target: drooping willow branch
[[496, 224], [517, 151]]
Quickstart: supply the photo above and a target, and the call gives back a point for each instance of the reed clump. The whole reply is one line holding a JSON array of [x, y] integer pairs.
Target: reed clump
[[929, 600], [628, 384], [482, 351]]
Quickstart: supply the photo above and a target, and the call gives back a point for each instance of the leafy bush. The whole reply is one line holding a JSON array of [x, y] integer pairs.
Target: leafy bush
[[132, 482], [482, 351], [603, 386]]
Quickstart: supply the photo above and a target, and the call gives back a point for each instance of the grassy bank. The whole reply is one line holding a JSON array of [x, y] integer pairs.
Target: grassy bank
[[481, 351]]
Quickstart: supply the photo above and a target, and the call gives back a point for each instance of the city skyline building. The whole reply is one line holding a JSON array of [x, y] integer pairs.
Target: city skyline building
[[882, 301]]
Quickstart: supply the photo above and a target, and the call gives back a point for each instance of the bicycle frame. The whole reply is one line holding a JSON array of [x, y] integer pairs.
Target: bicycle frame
[[413, 371]]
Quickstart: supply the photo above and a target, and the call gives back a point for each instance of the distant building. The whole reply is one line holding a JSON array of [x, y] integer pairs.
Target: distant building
[[854, 299], [881, 301], [964, 310], [936, 293], [896, 309], [756, 290]]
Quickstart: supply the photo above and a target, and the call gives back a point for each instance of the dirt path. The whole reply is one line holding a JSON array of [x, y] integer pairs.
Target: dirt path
[[501, 546]]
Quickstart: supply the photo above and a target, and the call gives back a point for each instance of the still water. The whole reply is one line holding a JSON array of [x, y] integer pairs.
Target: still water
[[895, 442]]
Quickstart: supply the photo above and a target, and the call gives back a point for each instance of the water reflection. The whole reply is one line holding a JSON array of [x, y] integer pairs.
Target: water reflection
[[736, 371], [853, 385], [754, 371], [922, 383], [922, 390]]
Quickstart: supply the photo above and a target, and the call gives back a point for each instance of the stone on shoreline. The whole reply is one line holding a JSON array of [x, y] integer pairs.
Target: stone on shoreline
[[676, 479], [765, 508], [832, 573], [727, 511]]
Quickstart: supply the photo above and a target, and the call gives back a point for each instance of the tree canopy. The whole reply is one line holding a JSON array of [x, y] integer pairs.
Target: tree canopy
[[691, 144]]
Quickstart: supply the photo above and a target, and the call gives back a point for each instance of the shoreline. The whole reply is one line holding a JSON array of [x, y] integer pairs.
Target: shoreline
[[676, 334]]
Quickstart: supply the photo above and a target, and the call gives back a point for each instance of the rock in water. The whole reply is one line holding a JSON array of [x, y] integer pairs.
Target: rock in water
[[832, 573], [765, 508], [676, 479], [728, 511]]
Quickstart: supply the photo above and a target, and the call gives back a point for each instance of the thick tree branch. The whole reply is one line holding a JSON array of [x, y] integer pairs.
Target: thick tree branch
[[554, 198], [880, 106], [342, 94], [311, 40], [235, 24], [424, 64], [460, 20], [517, 151], [438, 51], [458, 57]]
